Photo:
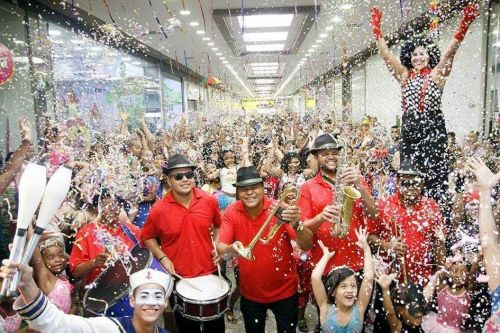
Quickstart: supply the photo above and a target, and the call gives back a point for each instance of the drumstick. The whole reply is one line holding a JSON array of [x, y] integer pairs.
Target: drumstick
[[31, 188], [187, 282], [218, 265], [54, 195]]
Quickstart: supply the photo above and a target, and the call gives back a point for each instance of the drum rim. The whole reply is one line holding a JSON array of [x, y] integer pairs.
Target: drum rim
[[120, 295], [210, 301]]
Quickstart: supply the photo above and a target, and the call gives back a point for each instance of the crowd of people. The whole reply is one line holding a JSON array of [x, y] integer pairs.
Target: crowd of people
[[379, 229]]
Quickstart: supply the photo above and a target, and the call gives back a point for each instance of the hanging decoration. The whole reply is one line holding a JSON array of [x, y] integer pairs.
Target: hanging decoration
[[6, 64], [109, 12], [171, 67], [242, 12], [158, 20], [434, 20], [203, 15]]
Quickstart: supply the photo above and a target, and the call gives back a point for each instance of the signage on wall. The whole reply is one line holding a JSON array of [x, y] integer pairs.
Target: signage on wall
[[6, 64]]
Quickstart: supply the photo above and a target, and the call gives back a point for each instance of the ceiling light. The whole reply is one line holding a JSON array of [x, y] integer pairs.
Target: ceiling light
[[211, 44], [265, 36], [336, 19], [311, 50], [135, 62], [222, 58], [126, 59], [77, 41], [226, 62], [319, 41], [206, 38], [303, 59], [265, 47], [184, 12], [264, 81], [194, 24], [218, 54], [53, 32], [25, 60], [16, 41], [315, 45], [329, 28], [266, 21], [215, 49], [323, 35], [307, 54], [264, 64], [200, 32], [346, 6]]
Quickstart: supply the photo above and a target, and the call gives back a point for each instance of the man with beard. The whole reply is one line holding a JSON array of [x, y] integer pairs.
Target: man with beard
[[408, 231], [319, 212]]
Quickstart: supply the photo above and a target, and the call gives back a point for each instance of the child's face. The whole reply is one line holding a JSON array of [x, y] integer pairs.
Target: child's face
[[55, 259], [458, 273], [346, 292], [413, 321]]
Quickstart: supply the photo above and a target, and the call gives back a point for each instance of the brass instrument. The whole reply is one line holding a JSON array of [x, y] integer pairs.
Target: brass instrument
[[246, 252], [345, 201]]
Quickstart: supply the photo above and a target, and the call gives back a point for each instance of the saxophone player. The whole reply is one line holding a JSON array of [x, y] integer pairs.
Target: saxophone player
[[320, 209]]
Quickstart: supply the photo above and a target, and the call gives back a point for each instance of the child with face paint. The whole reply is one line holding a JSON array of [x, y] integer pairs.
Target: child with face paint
[[341, 308], [150, 290]]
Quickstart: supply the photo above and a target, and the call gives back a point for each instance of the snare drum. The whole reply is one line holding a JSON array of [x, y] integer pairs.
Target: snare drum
[[109, 294], [207, 305]]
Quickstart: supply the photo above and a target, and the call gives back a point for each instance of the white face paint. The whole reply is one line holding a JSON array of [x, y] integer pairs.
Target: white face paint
[[151, 296]]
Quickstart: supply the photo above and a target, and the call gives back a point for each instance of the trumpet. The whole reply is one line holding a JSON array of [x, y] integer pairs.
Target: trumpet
[[247, 252]]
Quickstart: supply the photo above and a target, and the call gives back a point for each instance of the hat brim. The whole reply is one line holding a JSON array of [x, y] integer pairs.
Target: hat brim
[[410, 173], [248, 182], [167, 170], [325, 146]]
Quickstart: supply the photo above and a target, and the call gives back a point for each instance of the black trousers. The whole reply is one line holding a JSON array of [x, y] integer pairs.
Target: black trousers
[[285, 311], [185, 325]]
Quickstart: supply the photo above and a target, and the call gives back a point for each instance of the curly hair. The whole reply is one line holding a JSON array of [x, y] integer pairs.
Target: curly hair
[[411, 44], [334, 278], [287, 159]]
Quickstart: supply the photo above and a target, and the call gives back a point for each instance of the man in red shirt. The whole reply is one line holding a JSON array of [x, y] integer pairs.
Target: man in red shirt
[[96, 241], [317, 205], [183, 222], [269, 280], [408, 232]]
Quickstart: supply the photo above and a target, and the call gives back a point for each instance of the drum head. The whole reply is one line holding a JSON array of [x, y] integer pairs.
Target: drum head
[[212, 288], [113, 283]]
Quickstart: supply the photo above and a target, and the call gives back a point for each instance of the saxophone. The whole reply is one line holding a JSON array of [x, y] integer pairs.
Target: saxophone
[[344, 196]]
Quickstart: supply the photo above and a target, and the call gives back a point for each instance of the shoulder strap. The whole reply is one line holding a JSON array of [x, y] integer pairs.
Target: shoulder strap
[[423, 90], [129, 233], [117, 323]]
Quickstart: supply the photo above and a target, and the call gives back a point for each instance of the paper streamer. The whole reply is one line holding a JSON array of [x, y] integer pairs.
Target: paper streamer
[[242, 10], [158, 20], [203, 15], [109, 12]]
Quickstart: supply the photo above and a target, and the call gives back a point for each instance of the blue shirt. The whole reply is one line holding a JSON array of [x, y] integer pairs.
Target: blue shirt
[[332, 324]]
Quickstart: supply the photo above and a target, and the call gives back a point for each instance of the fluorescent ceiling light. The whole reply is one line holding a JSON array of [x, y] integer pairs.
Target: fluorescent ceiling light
[[135, 62], [263, 69], [329, 28], [206, 38], [265, 47], [346, 6], [311, 50], [184, 12], [265, 36], [307, 54], [218, 54], [315, 45], [215, 49], [266, 21], [264, 81], [226, 62], [126, 59], [200, 32], [77, 41], [194, 24], [323, 35], [336, 19], [264, 64], [319, 41], [211, 44], [16, 41], [53, 32]]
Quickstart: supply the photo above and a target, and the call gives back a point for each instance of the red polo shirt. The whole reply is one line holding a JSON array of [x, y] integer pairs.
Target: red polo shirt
[[415, 225], [272, 275], [315, 195], [87, 246], [184, 233]]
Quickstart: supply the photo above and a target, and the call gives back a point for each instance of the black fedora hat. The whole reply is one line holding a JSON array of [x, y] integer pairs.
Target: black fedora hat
[[177, 161], [325, 141], [407, 167], [246, 176]]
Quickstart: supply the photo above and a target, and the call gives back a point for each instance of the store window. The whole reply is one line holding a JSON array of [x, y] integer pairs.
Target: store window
[[172, 101]]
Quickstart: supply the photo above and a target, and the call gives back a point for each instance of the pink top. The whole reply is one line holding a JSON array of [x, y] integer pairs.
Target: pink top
[[61, 294], [11, 324], [453, 310]]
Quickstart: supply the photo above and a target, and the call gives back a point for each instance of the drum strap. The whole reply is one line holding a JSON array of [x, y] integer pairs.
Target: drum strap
[[129, 233], [117, 323]]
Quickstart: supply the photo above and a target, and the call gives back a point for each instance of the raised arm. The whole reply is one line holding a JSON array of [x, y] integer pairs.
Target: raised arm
[[397, 70], [443, 68], [488, 233], [317, 284], [385, 282], [366, 288]]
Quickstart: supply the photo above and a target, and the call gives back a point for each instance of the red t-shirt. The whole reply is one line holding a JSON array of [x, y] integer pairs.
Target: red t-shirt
[[272, 187], [87, 244], [315, 195], [416, 226], [184, 233], [272, 275]]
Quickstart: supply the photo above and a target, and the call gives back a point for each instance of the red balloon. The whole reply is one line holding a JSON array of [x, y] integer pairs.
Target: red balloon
[[6, 64]]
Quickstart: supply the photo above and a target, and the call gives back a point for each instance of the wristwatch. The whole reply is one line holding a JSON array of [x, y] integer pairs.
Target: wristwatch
[[299, 226]]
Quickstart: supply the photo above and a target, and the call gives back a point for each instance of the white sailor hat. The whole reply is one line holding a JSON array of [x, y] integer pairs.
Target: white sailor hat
[[147, 276]]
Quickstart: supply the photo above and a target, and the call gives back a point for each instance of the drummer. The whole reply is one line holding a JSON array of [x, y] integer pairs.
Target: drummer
[[149, 292], [270, 281], [183, 221]]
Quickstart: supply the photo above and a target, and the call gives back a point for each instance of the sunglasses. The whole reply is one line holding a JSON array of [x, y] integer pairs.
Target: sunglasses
[[179, 176], [411, 182]]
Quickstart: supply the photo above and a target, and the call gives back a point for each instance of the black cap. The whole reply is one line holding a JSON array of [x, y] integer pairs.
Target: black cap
[[407, 167], [247, 176], [177, 161], [325, 141]]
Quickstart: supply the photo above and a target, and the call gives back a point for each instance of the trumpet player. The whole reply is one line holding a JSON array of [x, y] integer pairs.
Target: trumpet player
[[268, 279], [318, 204]]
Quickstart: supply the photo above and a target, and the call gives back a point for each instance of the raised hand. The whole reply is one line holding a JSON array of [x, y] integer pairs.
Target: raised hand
[[485, 178], [25, 129], [376, 22], [471, 12], [362, 235], [385, 280], [326, 251]]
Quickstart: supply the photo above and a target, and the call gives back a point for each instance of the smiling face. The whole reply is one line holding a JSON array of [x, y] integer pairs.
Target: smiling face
[[181, 187], [252, 196], [410, 187], [293, 166], [419, 58], [327, 159], [55, 259], [148, 301], [345, 293]]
